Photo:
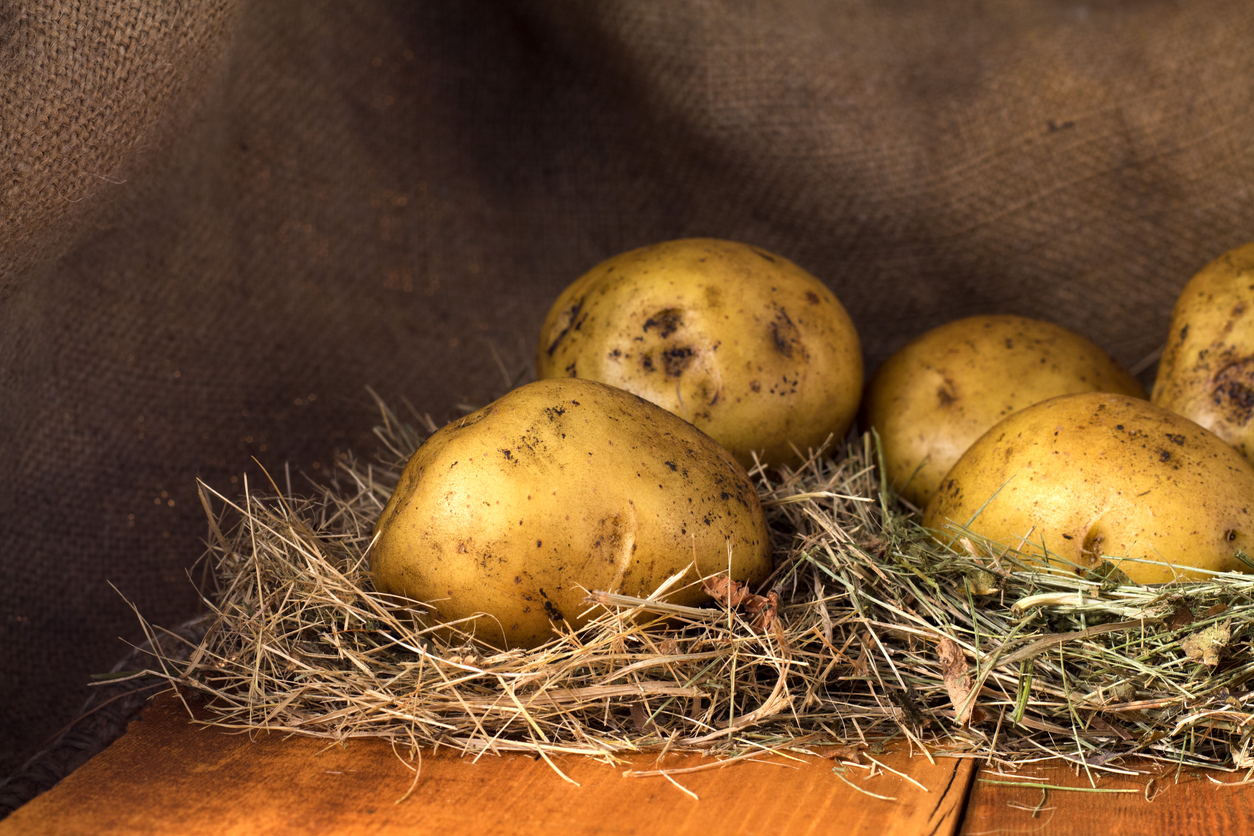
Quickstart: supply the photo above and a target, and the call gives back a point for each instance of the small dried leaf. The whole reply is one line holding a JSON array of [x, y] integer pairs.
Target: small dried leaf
[[876, 546], [1205, 645], [724, 590], [983, 582], [1181, 616], [764, 608], [848, 752], [1243, 759], [862, 665], [640, 718], [957, 680]]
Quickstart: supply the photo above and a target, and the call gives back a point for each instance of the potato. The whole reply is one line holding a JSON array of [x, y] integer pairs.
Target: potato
[[559, 488], [1207, 369], [1098, 476], [743, 343], [933, 398]]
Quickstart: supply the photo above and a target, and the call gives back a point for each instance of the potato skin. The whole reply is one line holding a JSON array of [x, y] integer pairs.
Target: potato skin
[[556, 489], [934, 397], [1207, 368], [743, 343], [1099, 475]]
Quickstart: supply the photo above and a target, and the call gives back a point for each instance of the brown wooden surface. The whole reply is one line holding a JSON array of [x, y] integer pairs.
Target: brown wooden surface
[[1179, 803], [167, 775]]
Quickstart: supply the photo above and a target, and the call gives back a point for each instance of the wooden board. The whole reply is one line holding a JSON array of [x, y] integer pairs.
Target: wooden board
[[168, 775], [1065, 802]]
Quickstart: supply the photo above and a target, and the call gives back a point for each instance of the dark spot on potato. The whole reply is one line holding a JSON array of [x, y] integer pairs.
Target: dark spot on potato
[[1232, 390], [550, 609], [568, 320], [812, 297], [646, 362], [1175, 438], [672, 466], [1230, 535], [784, 334], [675, 360], [945, 395], [1091, 551], [762, 254], [1164, 455], [666, 321], [755, 386]]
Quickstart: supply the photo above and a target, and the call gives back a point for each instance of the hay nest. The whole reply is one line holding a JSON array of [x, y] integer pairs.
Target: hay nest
[[869, 631]]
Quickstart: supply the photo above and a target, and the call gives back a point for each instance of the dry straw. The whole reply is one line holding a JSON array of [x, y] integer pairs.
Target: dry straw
[[879, 633]]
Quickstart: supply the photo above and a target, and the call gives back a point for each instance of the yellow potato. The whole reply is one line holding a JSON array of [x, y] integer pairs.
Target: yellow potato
[[743, 343], [933, 398], [1207, 369], [1095, 477], [559, 488]]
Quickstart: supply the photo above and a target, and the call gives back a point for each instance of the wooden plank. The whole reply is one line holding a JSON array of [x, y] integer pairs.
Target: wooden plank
[[167, 775], [1164, 800]]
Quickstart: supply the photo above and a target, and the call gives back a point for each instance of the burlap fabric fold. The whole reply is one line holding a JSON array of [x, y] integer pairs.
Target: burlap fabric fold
[[223, 221]]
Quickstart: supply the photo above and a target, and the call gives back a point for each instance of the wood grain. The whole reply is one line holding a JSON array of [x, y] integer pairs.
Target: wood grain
[[168, 775]]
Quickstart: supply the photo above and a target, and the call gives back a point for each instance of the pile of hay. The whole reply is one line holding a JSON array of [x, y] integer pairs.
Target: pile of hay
[[879, 633]]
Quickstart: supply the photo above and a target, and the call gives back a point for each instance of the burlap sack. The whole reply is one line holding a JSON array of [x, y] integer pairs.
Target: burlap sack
[[223, 221]]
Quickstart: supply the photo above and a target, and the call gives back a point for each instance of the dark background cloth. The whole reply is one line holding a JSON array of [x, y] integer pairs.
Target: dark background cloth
[[222, 221]]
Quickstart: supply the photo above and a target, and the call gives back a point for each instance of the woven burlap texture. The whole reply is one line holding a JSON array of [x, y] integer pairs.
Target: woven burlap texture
[[223, 221]]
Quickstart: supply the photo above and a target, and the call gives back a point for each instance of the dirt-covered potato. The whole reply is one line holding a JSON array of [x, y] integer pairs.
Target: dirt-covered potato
[[743, 343], [934, 397], [559, 488], [1207, 369], [1095, 477]]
